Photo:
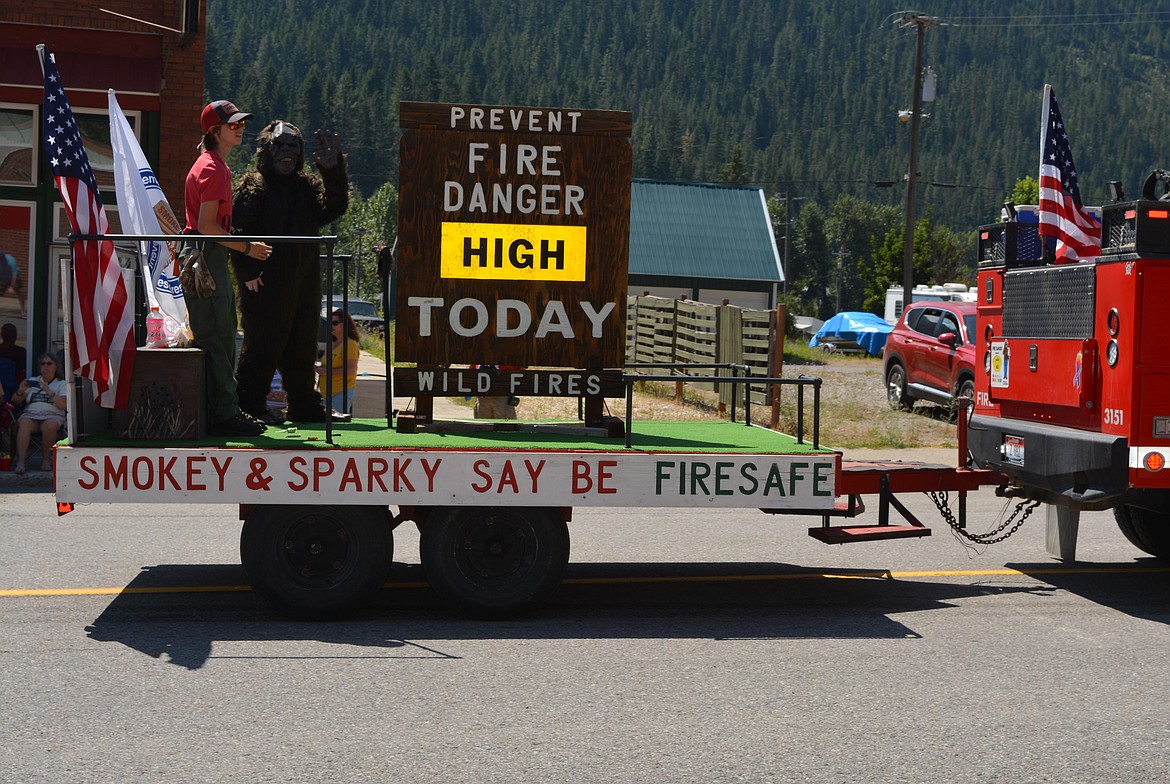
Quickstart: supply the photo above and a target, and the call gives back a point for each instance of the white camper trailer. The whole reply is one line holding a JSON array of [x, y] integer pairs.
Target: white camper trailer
[[947, 292]]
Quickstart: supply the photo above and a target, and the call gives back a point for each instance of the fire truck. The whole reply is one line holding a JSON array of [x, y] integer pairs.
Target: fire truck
[[1071, 401]]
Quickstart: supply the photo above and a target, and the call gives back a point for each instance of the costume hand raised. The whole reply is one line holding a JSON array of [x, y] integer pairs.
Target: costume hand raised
[[328, 152]]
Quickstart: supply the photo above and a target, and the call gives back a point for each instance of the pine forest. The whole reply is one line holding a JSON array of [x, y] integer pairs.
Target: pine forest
[[798, 97]]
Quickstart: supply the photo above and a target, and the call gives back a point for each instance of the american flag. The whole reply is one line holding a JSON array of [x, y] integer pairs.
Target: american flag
[[1062, 215], [102, 342]]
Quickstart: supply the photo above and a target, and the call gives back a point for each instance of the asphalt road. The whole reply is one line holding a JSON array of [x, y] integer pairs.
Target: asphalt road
[[684, 647]]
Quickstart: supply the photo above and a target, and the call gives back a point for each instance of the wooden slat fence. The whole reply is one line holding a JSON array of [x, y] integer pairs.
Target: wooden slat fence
[[672, 331]]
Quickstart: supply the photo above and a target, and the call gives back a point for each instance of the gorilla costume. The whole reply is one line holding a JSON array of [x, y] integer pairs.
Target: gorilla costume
[[280, 320]]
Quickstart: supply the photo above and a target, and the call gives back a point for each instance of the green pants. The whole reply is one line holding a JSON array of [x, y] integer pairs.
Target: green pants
[[213, 325]]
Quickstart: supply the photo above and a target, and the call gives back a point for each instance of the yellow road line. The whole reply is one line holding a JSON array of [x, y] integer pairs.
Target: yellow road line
[[713, 578], [23, 592]]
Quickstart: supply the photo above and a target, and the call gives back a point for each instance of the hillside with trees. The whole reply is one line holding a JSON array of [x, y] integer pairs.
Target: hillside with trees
[[800, 97]]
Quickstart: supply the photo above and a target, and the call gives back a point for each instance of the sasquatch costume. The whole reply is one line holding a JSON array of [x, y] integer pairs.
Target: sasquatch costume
[[281, 319]]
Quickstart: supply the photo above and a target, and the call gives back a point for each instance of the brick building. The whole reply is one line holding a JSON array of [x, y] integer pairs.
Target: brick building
[[150, 52]]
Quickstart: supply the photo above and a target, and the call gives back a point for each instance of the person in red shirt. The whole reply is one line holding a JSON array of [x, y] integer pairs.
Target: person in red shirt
[[208, 201]]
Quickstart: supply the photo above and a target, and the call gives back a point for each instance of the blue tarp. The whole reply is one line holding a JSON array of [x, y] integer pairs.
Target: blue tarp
[[854, 329]]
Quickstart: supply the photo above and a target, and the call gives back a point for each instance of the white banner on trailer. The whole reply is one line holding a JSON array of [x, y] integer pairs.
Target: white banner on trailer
[[446, 478]]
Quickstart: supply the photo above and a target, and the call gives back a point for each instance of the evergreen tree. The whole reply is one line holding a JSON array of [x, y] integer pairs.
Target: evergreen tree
[[811, 260], [734, 172], [856, 229]]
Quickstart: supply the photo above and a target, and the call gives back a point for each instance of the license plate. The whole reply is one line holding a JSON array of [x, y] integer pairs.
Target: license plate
[[1013, 450]]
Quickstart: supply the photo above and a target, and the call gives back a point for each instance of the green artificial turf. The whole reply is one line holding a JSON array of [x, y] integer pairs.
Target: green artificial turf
[[650, 436]]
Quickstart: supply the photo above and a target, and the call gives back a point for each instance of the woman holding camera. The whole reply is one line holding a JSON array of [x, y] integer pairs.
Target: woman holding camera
[[44, 403]]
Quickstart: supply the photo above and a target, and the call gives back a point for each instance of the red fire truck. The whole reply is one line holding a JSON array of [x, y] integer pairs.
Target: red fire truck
[[1074, 367]]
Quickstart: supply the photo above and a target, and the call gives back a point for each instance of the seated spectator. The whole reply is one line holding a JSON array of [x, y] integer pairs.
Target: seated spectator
[[43, 398], [344, 337]]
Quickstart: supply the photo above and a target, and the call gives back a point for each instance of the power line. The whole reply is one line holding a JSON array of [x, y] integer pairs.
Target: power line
[[1042, 20], [1061, 20]]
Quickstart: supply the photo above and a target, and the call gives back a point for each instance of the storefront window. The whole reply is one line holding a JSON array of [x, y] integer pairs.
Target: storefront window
[[16, 220], [18, 140], [95, 135]]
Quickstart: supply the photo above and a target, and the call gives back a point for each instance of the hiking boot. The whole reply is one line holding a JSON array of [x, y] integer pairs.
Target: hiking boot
[[308, 415], [239, 425], [316, 415], [270, 416]]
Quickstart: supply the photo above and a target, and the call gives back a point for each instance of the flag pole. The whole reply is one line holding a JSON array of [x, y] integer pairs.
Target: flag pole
[[71, 417], [65, 281]]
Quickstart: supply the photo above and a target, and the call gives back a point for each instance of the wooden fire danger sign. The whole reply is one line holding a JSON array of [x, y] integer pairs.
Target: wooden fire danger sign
[[513, 235]]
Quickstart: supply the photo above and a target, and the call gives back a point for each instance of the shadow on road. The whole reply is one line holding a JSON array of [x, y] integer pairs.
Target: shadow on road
[[181, 611], [1140, 589]]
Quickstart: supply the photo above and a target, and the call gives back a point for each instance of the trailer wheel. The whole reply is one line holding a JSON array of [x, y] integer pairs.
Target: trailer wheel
[[494, 562], [1147, 530], [316, 561], [896, 394]]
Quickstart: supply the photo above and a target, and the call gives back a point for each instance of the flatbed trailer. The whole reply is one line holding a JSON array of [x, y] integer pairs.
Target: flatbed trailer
[[319, 504], [523, 288]]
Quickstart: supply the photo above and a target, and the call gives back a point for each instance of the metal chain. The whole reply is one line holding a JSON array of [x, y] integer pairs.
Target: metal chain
[[942, 501]]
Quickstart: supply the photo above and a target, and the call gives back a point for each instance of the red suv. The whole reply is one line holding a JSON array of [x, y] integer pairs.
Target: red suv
[[930, 355]]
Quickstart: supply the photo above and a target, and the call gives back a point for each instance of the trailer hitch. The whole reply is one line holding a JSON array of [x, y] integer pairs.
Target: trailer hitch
[[1012, 524]]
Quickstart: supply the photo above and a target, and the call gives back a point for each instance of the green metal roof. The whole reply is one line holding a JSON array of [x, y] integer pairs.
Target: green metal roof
[[701, 230]]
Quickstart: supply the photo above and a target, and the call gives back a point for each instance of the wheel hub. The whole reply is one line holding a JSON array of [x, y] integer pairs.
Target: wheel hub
[[494, 548], [316, 547]]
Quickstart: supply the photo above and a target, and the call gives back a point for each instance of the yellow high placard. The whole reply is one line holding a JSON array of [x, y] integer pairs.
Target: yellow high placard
[[508, 251]]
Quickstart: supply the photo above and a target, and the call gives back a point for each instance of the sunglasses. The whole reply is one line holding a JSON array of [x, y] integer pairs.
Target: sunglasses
[[235, 126], [336, 323]]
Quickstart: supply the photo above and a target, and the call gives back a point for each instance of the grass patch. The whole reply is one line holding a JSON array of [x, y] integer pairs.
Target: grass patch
[[798, 352], [372, 343]]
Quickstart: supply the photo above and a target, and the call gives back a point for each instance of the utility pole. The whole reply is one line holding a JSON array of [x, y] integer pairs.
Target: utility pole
[[842, 255], [787, 238], [921, 22]]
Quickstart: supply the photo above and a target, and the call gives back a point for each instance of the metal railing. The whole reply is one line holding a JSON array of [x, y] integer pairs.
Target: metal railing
[[329, 241], [737, 381]]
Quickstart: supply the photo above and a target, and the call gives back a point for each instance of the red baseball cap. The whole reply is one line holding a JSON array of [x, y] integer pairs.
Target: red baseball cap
[[221, 113]]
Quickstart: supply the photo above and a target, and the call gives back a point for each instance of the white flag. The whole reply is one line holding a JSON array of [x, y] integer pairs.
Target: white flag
[[144, 210]]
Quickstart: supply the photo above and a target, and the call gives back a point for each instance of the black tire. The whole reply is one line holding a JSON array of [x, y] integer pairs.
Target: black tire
[[316, 562], [896, 394], [965, 388], [494, 562], [1147, 530]]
